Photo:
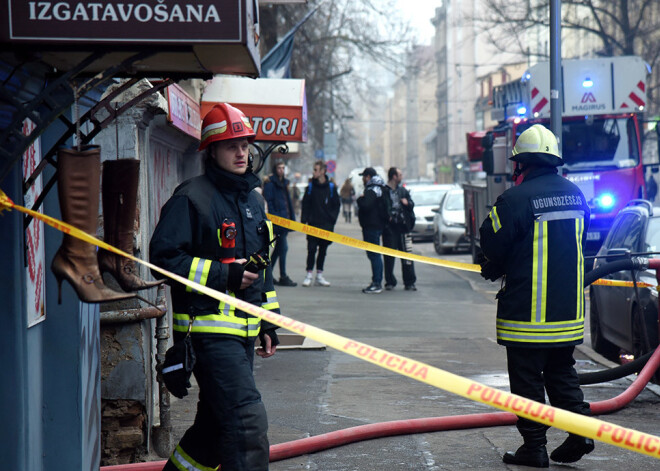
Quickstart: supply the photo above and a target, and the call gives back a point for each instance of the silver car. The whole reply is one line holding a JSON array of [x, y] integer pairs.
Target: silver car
[[449, 223], [426, 199]]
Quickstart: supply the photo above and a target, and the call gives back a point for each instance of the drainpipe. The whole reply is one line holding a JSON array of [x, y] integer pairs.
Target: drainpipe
[[162, 434]]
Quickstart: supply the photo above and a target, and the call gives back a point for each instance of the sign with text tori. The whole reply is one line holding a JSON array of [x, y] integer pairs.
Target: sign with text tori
[[277, 108]]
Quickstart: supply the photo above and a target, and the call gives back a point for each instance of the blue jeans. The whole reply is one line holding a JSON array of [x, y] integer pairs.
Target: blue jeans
[[373, 236], [280, 250]]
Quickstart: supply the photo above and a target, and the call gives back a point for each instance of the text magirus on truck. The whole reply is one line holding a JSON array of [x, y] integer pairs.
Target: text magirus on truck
[[600, 141]]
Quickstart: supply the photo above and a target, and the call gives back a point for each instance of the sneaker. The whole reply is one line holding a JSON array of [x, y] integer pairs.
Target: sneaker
[[320, 281], [308, 280], [411, 288], [373, 288], [389, 287], [286, 281]]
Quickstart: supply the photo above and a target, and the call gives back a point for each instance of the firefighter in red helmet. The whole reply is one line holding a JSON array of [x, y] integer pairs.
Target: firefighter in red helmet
[[207, 231]]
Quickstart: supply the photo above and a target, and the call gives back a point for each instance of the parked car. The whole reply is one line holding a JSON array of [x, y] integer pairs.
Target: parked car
[[619, 318], [426, 198], [449, 223]]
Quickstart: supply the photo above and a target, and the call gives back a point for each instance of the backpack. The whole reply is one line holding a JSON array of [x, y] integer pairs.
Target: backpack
[[385, 204]]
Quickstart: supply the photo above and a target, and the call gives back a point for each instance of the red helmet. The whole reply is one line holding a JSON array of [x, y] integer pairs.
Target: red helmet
[[225, 122]]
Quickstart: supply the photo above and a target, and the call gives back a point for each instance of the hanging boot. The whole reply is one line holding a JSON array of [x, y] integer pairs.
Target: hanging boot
[[78, 175], [119, 190]]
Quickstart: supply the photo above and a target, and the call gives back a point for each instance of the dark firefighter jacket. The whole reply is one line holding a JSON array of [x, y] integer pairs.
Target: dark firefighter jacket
[[536, 233], [187, 241]]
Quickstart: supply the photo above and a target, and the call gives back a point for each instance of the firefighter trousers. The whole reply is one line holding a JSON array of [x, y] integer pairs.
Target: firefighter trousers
[[230, 427], [535, 371]]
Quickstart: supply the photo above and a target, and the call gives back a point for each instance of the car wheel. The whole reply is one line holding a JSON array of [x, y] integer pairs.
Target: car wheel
[[644, 338], [598, 342], [437, 245]]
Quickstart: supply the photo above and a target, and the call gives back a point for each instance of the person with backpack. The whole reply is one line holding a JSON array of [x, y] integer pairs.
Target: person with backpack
[[373, 215], [401, 222], [320, 208]]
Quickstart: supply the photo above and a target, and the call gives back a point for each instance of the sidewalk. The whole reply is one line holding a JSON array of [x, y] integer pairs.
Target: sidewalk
[[448, 323]]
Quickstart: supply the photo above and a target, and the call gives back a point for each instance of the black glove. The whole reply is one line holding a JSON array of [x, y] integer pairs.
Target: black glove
[[274, 340], [235, 276], [178, 366], [489, 270]]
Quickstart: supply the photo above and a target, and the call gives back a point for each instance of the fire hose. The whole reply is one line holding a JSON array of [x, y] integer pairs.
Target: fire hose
[[303, 446]]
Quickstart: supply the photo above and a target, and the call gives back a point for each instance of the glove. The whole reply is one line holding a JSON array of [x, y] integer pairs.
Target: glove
[[274, 340], [489, 270], [178, 366], [235, 276]]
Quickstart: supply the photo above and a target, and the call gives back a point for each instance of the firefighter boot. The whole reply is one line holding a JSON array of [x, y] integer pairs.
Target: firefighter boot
[[78, 175], [533, 452], [573, 448], [119, 195]]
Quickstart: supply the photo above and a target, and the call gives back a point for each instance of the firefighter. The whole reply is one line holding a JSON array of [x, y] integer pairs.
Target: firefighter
[[206, 232], [534, 237]]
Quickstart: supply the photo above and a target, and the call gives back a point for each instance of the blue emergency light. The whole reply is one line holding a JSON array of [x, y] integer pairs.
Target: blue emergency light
[[521, 110], [606, 201], [587, 83]]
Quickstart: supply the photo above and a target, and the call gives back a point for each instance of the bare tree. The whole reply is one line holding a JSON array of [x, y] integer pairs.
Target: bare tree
[[623, 27], [330, 49]]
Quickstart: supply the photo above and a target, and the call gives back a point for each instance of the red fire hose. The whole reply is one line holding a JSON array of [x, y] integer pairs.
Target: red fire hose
[[426, 425], [404, 427]]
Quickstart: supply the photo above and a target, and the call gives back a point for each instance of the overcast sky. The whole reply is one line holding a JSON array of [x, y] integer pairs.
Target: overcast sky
[[420, 12]]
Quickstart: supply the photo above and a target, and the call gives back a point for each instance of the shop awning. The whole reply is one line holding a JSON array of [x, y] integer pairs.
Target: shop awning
[[176, 38]]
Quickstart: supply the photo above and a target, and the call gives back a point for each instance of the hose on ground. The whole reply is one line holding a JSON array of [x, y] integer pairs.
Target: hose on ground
[[294, 448]]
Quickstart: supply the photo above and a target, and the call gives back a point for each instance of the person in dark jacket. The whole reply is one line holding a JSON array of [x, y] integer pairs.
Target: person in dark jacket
[[396, 231], [373, 215], [534, 236], [276, 194], [206, 232], [320, 208]]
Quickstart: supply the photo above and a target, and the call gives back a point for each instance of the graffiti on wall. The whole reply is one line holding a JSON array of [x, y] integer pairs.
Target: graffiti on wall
[[35, 255]]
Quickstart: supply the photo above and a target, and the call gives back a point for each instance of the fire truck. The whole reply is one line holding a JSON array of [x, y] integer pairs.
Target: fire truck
[[603, 100]]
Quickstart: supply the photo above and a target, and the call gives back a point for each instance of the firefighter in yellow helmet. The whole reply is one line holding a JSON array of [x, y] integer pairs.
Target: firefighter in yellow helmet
[[534, 238], [207, 231]]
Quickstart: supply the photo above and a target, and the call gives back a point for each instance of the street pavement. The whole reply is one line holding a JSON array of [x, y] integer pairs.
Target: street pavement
[[447, 323]]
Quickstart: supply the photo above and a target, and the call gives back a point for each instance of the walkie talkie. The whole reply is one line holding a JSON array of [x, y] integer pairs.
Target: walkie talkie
[[260, 259]]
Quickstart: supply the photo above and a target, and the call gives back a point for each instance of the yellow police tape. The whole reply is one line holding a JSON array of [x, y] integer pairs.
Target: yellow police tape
[[360, 244], [606, 432]]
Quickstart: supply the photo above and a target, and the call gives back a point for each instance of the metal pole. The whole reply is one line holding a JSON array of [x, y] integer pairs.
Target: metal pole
[[556, 92]]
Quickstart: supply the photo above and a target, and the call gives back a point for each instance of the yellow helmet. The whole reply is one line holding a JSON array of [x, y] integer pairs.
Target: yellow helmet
[[538, 146]]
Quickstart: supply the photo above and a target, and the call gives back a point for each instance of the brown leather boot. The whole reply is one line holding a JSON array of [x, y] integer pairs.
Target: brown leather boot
[[78, 175], [119, 190]]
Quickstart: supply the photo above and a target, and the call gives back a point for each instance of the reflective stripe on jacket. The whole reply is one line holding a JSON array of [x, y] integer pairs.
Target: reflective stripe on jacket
[[536, 232]]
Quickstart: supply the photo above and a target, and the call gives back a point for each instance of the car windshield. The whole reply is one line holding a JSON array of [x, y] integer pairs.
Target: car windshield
[[597, 143], [427, 197], [454, 201]]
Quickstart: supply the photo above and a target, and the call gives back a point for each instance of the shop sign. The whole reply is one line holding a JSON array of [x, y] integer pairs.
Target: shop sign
[[183, 111], [35, 254], [277, 108], [172, 21]]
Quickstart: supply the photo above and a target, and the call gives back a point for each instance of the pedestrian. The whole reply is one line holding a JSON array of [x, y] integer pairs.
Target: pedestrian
[[278, 199], [207, 230], [320, 208], [535, 236], [347, 194], [397, 230], [373, 214]]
